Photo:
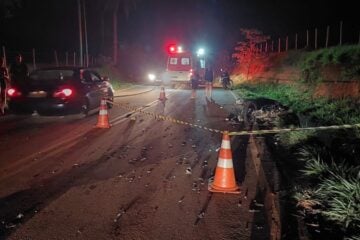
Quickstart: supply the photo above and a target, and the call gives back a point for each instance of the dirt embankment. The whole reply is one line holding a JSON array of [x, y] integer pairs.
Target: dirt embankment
[[283, 68]]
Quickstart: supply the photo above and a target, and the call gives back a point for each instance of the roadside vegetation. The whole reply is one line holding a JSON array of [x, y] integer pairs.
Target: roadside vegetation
[[116, 78], [322, 167], [318, 111], [346, 59], [326, 163]]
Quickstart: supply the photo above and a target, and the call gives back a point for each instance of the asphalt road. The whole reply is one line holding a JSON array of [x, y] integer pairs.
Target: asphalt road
[[144, 178]]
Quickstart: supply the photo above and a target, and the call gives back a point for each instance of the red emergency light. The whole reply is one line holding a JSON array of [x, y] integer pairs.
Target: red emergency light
[[172, 49]]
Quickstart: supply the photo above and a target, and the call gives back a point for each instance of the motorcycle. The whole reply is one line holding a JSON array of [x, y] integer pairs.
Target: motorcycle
[[226, 82]]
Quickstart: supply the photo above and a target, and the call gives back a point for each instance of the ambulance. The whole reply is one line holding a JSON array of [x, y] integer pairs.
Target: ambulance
[[180, 65]]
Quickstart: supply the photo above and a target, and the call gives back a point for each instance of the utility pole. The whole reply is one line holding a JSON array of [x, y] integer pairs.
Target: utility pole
[[80, 34], [86, 39], [4, 57]]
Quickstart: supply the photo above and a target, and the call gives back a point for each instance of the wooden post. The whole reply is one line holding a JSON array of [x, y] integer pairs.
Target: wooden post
[[266, 46], [279, 45], [272, 45], [74, 59], [340, 40], [307, 38], [34, 59], [316, 38], [66, 58], [56, 58], [287, 43], [296, 41], [327, 36]]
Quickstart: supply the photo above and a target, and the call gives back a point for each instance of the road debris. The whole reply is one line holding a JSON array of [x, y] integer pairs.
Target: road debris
[[119, 215], [246, 193]]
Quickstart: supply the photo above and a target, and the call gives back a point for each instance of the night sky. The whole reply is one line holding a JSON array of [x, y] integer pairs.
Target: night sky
[[215, 24]]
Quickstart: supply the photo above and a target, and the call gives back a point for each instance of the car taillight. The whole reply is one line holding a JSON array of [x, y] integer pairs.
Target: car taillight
[[64, 93], [13, 92]]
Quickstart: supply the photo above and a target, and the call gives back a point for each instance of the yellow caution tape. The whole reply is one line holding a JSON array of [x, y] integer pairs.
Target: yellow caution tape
[[164, 118], [240, 133]]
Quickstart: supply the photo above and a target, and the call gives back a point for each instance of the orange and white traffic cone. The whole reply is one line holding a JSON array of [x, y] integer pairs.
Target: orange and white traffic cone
[[103, 119], [162, 94], [224, 180]]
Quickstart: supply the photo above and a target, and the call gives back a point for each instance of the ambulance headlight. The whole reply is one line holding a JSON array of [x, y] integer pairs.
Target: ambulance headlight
[[151, 77]]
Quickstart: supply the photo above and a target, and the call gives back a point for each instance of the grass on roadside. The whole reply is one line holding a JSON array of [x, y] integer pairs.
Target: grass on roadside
[[333, 189], [300, 100], [327, 164], [348, 57]]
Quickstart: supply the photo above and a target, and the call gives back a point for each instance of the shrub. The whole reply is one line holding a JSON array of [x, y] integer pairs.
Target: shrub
[[334, 190]]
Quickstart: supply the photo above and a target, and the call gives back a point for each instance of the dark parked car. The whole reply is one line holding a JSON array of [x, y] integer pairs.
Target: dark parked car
[[59, 90]]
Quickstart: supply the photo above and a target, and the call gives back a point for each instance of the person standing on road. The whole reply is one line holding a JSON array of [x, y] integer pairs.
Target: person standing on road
[[4, 79], [194, 81], [209, 78], [18, 70]]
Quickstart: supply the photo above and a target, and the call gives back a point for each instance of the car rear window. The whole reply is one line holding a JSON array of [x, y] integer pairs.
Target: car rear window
[[50, 75]]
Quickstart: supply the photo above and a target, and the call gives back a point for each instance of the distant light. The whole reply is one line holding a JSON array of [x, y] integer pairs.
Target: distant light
[[151, 77], [180, 49], [200, 52]]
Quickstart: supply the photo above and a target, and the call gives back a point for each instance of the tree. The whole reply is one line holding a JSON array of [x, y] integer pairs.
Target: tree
[[248, 53], [8, 7], [114, 6]]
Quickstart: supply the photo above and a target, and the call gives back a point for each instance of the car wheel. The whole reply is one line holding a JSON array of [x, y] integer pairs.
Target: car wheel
[[85, 107]]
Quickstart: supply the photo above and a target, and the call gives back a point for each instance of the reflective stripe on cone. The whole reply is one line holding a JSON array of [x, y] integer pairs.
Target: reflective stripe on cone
[[224, 179], [103, 118]]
